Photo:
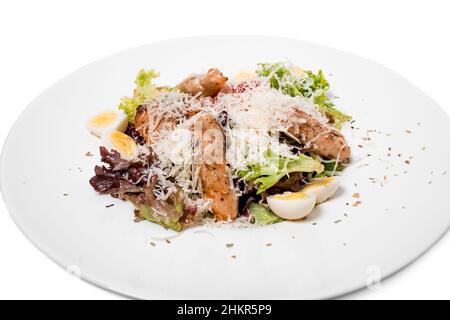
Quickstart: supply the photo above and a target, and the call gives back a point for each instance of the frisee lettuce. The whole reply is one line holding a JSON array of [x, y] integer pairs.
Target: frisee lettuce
[[276, 167], [308, 85], [143, 92]]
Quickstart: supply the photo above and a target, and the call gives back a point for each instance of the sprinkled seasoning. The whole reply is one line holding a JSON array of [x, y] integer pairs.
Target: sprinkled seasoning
[[153, 244], [356, 195], [338, 221], [65, 194], [168, 241], [268, 244], [89, 154], [357, 203], [109, 205], [229, 245], [408, 131], [407, 161], [233, 257]]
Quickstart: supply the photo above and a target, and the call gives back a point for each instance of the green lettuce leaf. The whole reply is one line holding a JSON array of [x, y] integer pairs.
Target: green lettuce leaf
[[310, 85], [262, 214], [144, 91], [276, 167], [329, 169], [147, 213], [166, 213]]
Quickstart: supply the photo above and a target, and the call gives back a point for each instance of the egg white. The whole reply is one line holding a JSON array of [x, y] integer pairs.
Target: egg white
[[107, 121], [292, 206], [323, 188]]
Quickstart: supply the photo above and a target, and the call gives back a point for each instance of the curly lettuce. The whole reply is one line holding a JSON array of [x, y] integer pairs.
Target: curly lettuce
[[307, 84], [275, 167], [144, 91]]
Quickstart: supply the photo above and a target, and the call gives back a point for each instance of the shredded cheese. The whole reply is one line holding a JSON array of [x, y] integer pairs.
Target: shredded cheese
[[256, 115]]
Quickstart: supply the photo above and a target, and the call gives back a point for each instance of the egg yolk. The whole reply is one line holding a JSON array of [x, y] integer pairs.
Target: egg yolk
[[298, 71], [291, 196], [318, 183], [104, 119], [122, 143], [245, 75]]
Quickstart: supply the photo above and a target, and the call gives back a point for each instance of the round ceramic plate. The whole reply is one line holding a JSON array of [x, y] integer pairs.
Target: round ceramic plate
[[390, 210]]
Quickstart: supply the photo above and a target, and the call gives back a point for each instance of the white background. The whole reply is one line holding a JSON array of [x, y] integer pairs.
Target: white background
[[41, 41]]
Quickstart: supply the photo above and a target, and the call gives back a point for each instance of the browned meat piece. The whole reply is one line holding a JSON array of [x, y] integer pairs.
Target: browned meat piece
[[150, 124], [326, 142], [207, 85], [141, 122], [214, 174]]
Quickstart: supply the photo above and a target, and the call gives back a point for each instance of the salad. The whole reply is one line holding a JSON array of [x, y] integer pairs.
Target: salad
[[261, 147]]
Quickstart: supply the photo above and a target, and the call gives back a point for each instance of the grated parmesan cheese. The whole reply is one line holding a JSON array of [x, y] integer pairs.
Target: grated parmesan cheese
[[256, 115]]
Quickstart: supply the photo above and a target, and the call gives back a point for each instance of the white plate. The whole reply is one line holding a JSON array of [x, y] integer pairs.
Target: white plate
[[340, 248]]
